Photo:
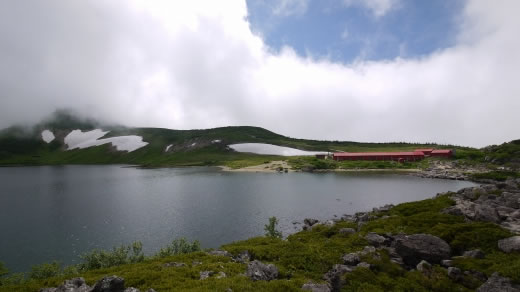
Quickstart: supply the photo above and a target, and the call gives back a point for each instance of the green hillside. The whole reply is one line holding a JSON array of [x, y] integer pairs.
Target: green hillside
[[24, 145]]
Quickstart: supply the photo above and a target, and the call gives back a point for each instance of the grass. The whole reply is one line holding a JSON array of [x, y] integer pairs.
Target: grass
[[497, 175], [24, 146], [307, 255]]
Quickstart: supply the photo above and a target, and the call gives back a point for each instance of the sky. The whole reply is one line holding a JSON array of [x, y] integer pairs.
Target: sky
[[441, 71]]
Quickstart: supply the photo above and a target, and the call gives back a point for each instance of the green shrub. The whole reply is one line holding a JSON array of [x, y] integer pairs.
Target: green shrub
[[3, 270], [467, 236], [45, 270], [270, 228], [496, 175], [118, 256], [178, 246]]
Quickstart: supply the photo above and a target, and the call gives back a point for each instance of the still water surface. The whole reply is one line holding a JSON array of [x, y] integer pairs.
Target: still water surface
[[59, 212]]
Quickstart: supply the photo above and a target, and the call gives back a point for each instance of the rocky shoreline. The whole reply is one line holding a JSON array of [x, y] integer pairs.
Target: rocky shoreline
[[497, 203]]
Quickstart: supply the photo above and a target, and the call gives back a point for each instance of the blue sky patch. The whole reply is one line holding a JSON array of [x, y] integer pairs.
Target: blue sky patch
[[332, 29]]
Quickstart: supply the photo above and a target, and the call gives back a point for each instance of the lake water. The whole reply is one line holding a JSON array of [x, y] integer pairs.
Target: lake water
[[59, 212]]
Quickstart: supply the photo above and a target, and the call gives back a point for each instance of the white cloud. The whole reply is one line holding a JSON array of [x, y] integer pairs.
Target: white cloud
[[377, 7], [290, 7], [198, 65]]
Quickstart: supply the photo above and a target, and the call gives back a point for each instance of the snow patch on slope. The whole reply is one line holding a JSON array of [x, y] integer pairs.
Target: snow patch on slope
[[269, 149], [168, 147], [81, 140], [48, 136]]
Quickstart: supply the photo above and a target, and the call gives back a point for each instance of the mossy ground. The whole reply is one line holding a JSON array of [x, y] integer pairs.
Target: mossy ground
[[307, 255]]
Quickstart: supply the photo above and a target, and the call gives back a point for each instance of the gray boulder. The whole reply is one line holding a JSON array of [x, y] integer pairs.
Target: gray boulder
[[221, 275], [222, 253], [72, 285], [486, 212], [110, 284], [476, 254], [174, 264], [510, 244], [351, 259], [334, 275], [417, 247], [454, 273], [375, 239], [259, 271], [424, 267], [495, 283], [364, 265], [394, 256], [242, 257], [316, 287], [310, 221], [132, 289], [205, 274]]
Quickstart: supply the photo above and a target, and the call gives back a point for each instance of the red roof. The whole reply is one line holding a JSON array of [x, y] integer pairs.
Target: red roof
[[445, 151], [357, 154]]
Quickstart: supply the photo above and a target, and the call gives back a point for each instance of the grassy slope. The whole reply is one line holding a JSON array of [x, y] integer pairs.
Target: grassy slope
[[23, 146], [307, 255]]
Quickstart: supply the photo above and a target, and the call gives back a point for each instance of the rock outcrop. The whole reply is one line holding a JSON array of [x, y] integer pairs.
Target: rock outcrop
[[509, 244], [416, 247], [497, 203], [315, 287], [106, 284], [259, 271], [496, 283]]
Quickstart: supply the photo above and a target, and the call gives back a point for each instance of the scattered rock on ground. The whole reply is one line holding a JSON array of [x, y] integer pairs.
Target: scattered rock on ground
[[221, 275], [72, 285], [510, 244], [174, 264], [316, 287], [333, 276], [424, 267], [351, 259], [259, 271], [417, 247], [454, 273], [218, 252], [496, 283], [110, 284], [476, 254], [205, 274], [242, 257], [363, 265], [375, 239]]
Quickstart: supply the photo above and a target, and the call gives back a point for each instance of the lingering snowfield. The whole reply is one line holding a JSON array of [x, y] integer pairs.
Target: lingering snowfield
[[168, 147], [81, 140], [77, 138], [268, 149], [48, 136]]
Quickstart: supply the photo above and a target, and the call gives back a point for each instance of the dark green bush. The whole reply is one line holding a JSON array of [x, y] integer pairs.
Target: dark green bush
[[124, 254], [178, 246], [270, 228], [45, 270]]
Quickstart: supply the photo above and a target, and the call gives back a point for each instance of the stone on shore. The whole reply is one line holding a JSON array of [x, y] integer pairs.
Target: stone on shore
[[259, 271], [510, 244], [417, 247]]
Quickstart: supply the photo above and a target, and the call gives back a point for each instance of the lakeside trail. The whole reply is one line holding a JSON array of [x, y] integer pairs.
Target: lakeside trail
[[270, 167], [436, 169]]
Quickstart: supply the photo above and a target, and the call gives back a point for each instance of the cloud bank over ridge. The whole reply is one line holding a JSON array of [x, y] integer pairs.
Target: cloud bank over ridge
[[197, 64]]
